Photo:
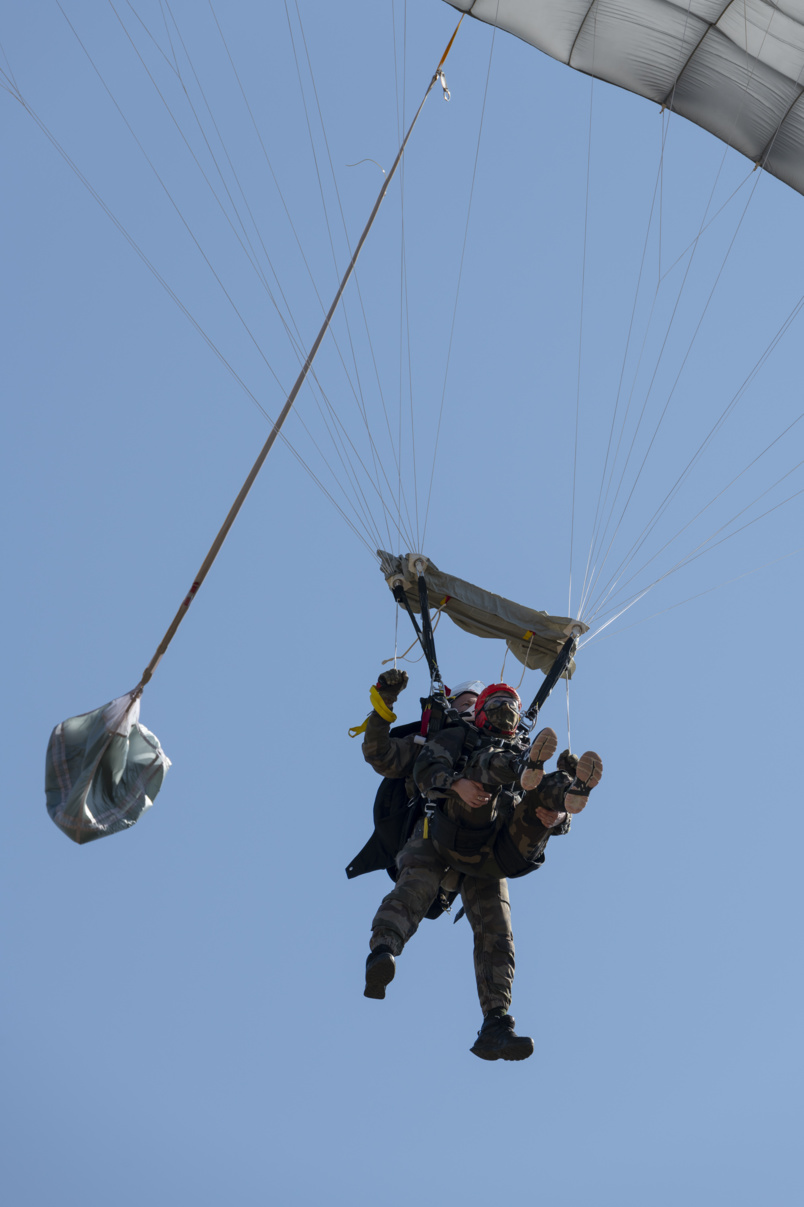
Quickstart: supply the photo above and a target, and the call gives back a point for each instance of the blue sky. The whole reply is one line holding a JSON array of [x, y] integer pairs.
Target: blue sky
[[185, 1010]]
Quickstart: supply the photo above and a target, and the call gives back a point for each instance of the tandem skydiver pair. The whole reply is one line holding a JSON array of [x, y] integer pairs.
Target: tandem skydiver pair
[[471, 806]]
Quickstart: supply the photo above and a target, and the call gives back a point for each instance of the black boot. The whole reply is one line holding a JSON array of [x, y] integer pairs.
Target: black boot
[[496, 1040], [380, 969]]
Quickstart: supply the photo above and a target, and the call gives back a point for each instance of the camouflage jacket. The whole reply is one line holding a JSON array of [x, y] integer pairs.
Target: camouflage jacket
[[390, 756], [449, 756]]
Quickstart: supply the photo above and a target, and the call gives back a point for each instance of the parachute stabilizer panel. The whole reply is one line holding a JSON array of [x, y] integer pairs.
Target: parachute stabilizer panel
[[534, 638], [733, 67]]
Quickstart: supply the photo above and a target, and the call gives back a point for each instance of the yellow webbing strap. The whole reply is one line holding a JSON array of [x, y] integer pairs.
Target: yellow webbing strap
[[379, 706]]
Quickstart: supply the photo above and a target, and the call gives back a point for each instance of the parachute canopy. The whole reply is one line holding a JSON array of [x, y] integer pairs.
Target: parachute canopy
[[734, 67], [102, 771], [534, 638]]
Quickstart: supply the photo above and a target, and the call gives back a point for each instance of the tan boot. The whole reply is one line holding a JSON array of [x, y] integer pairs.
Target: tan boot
[[543, 747], [587, 776]]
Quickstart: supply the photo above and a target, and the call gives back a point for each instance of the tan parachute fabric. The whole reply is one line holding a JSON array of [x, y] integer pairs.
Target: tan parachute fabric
[[734, 67], [534, 638]]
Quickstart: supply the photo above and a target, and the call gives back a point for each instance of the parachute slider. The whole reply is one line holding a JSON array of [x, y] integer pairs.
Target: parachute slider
[[534, 638]]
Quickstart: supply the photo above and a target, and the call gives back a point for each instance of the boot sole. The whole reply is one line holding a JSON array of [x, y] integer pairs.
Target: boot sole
[[521, 1052], [378, 976], [587, 776], [544, 747]]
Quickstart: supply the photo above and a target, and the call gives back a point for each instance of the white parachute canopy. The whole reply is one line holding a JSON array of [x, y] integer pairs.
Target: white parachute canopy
[[102, 770], [734, 67]]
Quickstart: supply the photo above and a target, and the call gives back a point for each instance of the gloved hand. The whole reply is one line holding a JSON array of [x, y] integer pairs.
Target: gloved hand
[[391, 683]]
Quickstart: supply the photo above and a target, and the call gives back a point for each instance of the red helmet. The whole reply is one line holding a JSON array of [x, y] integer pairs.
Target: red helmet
[[482, 719]]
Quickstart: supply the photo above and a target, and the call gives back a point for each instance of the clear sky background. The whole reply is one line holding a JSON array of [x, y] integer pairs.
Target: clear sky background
[[183, 1003]]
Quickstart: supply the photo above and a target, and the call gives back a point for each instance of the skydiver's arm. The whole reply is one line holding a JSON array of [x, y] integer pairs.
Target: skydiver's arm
[[391, 757], [471, 793], [494, 767], [435, 768]]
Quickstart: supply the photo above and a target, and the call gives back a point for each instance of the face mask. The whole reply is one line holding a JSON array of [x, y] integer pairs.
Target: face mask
[[503, 715]]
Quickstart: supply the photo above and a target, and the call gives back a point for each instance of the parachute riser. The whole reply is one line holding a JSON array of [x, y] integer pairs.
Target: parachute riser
[[435, 707], [428, 639], [565, 656], [424, 633]]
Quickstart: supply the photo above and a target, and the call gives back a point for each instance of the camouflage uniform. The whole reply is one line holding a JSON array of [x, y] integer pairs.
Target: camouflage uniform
[[391, 757], [500, 827], [496, 766]]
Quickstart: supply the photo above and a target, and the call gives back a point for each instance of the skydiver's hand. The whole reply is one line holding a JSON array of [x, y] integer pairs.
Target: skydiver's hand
[[472, 794], [548, 818], [391, 683]]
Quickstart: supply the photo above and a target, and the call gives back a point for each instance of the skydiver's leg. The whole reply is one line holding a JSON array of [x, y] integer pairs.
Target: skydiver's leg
[[488, 909], [559, 792], [528, 834], [421, 870]]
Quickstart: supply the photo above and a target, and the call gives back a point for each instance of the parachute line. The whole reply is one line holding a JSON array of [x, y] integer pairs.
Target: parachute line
[[628, 557], [595, 636], [720, 494], [458, 285], [601, 498], [739, 393], [707, 545], [669, 398], [592, 576]]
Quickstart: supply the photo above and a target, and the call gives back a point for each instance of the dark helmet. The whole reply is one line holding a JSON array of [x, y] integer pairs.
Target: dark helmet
[[499, 709]]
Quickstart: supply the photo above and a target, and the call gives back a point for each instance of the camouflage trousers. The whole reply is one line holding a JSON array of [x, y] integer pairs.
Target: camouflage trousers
[[485, 899], [484, 891]]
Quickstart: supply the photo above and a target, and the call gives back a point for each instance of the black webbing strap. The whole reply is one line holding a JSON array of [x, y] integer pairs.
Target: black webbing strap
[[428, 640], [425, 633], [553, 675]]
